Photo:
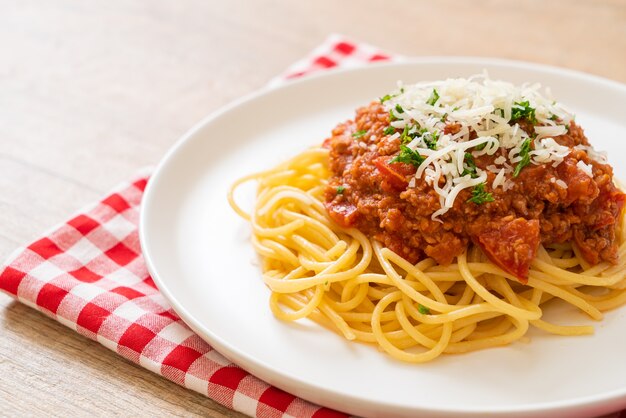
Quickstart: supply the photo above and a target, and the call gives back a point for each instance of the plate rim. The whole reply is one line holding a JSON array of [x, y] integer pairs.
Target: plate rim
[[264, 371]]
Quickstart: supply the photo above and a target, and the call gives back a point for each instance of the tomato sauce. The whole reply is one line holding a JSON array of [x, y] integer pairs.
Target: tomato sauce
[[375, 197]]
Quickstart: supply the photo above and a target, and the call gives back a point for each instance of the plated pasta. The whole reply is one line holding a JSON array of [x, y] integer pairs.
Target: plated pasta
[[444, 218]]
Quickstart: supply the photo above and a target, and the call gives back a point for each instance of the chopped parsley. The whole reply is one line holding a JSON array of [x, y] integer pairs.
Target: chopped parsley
[[390, 96], [408, 156], [360, 133], [525, 154], [404, 136], [481, 146], [385, 98], [430, 139], [444, 117], [554, 117], [341, 189], [392, 117], [399, 109], [470, 166], [423, 309], [522, 110], [419, 131], [389, 130], [479, 195], [434, 96]]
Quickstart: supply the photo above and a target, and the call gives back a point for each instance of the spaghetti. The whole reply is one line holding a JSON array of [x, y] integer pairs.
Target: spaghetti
[[344, 281]]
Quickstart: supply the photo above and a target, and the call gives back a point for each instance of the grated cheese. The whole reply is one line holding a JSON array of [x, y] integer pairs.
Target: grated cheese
[[547, 150], [500, 160], [508, 185], [483, 107], [499, 180], [585, 168], [598, 156], [561, 184]]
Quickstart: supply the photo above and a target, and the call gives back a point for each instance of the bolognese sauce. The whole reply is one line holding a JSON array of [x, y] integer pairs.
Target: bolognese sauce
[[400, 176]]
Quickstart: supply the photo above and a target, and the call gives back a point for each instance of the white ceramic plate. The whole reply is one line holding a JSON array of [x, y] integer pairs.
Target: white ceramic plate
[[199, 254]]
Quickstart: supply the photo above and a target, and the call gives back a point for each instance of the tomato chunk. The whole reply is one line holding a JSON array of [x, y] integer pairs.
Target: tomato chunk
[[512, 245], [394, 173], [343, 213]]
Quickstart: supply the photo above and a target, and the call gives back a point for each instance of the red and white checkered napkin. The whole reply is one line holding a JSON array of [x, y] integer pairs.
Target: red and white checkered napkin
[[89, 274]]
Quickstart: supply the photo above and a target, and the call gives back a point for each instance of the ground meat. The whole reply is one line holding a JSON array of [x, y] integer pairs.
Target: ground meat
[[378, 201]]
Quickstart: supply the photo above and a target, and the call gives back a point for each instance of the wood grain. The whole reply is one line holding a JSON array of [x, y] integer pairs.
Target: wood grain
[[92, 91]]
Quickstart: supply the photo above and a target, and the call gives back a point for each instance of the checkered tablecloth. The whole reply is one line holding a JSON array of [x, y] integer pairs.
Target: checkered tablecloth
[[88, 273]]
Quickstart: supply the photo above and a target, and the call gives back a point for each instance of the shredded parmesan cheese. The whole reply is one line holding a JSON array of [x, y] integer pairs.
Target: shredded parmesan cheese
[[598, 156], [499, 180], [585, 168], [487, 111], [561, 184]]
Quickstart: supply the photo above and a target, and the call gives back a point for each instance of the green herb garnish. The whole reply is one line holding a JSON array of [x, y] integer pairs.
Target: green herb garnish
[[522, 110], [470, 166], [423, 309], [408, 156], [399, 109], [554, 117], [390, 96], [433, 98], [389, 130], [430, 139], [404, 136], [341, 189], [392, 117], [525, 154], [479, 195], [359, 134]]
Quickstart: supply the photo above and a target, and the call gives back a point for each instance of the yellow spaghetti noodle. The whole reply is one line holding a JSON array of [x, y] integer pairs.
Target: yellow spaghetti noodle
[[346, 282]]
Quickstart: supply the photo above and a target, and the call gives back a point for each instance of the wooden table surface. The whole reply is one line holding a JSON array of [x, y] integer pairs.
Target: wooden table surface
[[91, 91]]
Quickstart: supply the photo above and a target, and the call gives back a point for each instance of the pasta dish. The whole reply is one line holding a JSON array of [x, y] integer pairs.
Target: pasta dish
[[443, 218]]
